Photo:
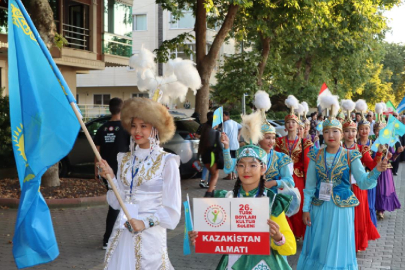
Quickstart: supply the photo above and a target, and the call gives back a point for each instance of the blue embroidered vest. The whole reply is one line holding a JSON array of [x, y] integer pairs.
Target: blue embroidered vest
[[278, 161], [342, 194]]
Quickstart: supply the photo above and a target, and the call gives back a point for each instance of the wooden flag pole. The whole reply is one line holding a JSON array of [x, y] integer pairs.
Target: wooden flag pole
[[93, 146]]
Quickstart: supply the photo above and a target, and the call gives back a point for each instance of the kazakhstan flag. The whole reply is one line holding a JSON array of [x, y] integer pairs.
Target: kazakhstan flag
[[218, 117], [44, 129]]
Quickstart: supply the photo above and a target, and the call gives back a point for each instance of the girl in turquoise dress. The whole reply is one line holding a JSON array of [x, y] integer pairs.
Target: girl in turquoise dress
[[251, 167], [329, 203], [277, 163]]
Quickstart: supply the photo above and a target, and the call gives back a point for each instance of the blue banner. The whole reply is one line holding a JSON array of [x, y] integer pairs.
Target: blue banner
[[188, 227], [44, 129], [401, 105]]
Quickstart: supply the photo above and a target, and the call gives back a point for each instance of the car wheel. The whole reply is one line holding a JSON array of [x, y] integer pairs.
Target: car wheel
[[63, 167]]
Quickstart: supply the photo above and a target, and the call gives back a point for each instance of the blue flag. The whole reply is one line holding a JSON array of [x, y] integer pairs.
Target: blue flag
[[319, 127], [401, 105], [397, 126], [375, 145], [218, 117], [44, 129], [188, 227]]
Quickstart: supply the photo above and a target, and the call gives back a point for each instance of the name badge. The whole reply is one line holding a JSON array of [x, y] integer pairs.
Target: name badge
[[325, 191], [291, 167]]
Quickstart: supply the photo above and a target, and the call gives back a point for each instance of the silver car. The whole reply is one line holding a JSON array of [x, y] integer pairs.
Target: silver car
[[81, 159]]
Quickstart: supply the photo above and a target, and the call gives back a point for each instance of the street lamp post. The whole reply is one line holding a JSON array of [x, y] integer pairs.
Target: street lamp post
[[244, 103]]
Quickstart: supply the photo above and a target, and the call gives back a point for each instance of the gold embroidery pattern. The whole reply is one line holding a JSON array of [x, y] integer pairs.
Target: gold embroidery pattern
[[298, 172], [307, 143], [349, 202], [151, 172], [125, 163], [228, 160], [165, 260], [112, 248], [138, 255], [20, 22], [296, 152], [273, 169]]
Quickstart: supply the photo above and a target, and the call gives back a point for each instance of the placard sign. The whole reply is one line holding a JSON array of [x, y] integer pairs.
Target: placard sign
[[232, 225]]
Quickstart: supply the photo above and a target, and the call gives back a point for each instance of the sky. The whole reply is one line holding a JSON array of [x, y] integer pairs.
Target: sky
[[397, 23]]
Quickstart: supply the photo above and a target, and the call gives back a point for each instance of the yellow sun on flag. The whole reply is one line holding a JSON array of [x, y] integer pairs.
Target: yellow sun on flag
[[215, 117], [18, 139], [386, 133], [396, 125]]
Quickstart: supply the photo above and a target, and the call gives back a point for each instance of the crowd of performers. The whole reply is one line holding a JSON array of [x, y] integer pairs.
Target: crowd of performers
[[343, 185]]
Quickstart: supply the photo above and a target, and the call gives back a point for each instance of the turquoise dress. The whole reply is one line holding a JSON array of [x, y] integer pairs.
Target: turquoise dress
[[330, 242], [277, 168], [274, 260]]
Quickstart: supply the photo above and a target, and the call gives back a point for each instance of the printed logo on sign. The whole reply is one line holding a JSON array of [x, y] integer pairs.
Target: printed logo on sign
[[111, 128], [215, 216]]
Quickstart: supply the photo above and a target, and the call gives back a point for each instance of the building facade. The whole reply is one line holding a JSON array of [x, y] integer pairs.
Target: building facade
[[95, 38], [150, 27]]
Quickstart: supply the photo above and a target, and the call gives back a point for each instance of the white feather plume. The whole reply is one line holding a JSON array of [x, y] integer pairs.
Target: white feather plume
[[384, 107], [185, 72], [251, 127], [262, 101], [327, 101], [300, 110], [348, 104], [174, 90], [335, 108], [291, 102], [361, 105], [306, 107], [379, 108], [142, 61]]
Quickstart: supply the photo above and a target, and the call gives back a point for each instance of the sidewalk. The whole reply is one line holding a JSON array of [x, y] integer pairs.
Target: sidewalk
[[79, 233]]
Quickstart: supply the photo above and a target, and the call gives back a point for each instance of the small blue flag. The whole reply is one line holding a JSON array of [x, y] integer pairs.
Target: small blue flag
[[44, 129], [401, 105], [375, 145], [319, 127], [397, 126], [218, 117], [188, 227]]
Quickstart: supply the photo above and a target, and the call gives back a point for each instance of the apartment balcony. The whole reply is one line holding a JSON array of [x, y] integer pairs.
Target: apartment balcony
[[116, 49]]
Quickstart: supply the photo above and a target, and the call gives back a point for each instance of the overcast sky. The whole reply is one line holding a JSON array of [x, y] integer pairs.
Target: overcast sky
[[397, 23]]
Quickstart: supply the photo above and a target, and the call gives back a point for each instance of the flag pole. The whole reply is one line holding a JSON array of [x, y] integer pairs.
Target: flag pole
[[98, 156], [72, 104]]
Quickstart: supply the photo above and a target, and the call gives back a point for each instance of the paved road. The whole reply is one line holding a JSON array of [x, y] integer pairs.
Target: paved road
[[79, 232]]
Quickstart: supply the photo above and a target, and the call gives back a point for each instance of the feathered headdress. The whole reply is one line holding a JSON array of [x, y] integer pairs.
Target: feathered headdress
[[348, 105], [262, 103], [180, 76], [251, 133], [380, 108], [361, 107], [330, 102], [292, 103]]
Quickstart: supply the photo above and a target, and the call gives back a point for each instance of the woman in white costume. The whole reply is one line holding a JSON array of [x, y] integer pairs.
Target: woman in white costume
[[148, 180]]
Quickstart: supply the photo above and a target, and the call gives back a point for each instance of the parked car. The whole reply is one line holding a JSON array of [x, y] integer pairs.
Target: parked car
[[279, 126], [81, 158]]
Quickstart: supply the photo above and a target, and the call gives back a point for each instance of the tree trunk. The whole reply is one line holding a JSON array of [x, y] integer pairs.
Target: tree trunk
[[43, 20], [51, 177], [308, 66], [206, 62], [265, 54]]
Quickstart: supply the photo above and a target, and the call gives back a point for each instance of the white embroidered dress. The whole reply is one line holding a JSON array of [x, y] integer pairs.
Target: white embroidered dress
[[157, 193]]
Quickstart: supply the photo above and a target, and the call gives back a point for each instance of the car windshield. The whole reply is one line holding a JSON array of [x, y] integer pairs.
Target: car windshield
[[280, 122]]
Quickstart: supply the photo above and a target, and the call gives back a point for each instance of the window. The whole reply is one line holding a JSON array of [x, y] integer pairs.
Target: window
[[117, 18], [185, 22], [145, 95], [140, 22], [77, 98], [181, 54], [101, 99]]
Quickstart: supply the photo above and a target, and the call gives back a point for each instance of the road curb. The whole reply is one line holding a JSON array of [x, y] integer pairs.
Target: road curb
[[58, 203]]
